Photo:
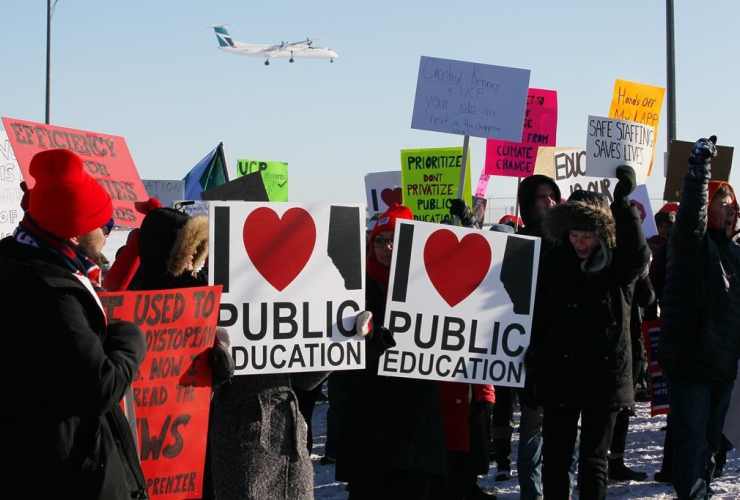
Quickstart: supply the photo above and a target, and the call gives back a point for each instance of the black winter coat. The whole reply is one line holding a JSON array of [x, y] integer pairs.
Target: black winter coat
[[62, 376], [392, 424], [581, 331], [700, 306]]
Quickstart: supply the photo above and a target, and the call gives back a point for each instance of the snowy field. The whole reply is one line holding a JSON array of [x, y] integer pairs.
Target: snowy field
[[644, 453]]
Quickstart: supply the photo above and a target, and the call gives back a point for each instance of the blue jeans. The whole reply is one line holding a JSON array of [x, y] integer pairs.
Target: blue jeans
[[697, 417], [529, 457]]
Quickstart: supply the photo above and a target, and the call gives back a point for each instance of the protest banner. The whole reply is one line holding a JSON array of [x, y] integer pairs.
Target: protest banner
[[105, 157], [166, 191], [732, 421], [249, 187], [11, 193], [464, 98], [659, 402], [678, 166], [430, 181], [293, 280], [383, 189], [640, 103], [274, 176], [611, 143], [517, 159], [172, 388], [460, 304], [570, 173]]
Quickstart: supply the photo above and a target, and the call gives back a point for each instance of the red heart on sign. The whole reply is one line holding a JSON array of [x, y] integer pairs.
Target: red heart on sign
[[456, 268], [391, 196], [279, 248]]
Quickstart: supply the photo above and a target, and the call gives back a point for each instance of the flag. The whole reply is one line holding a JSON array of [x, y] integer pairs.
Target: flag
[[210, 172]]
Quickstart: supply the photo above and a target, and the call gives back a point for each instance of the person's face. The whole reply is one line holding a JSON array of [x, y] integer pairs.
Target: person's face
[[722, 211], [383, 247], [584, 242], [664, 229], [91, 244], [544, 198]]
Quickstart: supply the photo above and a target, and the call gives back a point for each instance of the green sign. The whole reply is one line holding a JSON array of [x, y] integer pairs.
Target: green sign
[[274, 175], [430, 180]]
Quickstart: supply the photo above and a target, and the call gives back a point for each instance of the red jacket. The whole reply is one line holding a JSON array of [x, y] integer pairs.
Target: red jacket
[[456, 411]]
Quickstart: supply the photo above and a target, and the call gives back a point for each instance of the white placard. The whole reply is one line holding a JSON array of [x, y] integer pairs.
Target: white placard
[[641, 198], [166, 191], [460, 304], [611, 143], [293, 278], [11, 193], [191, 207], [465, 98], [382, 190]]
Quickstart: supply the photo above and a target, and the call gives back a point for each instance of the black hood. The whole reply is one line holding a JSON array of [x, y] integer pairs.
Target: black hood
[[527, 197]]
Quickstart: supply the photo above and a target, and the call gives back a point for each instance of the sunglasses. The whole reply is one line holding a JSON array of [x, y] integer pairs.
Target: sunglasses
[[108, 227]]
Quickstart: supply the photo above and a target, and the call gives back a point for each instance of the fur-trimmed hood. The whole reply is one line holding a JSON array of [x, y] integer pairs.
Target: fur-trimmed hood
[[580, 216]]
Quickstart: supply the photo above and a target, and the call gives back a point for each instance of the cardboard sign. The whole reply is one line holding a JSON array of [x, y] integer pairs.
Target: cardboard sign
[[106, 158], [430, 180], [678, 166], [460, 304], [249, 187], [172, 389], [517, 159], [464, 98], [274, 176], [11, 193], [732, 419], [659, 401], [611, 143], [166, 191], [569, 168], [545, 159], [383, 189], [639, 103], [293, 278]]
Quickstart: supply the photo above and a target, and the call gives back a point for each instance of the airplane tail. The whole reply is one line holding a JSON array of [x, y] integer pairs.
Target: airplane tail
[[224, 39]]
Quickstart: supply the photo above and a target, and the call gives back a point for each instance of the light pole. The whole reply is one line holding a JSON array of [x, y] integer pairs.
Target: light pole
[[49, 12], [670, 73]]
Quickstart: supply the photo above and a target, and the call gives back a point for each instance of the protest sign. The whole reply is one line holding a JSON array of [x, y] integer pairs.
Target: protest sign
[[249, 187], [569, 168], [383, 189], [482, 187], [464, 98], [274, 176], [659, 402], [293, 282], [641, 199], [430, 181], [105, 157], [460, 304], [172, 388], [637, 102], [545, 159], [611, 143], [166, 191], [191, 207], [517, 159], [11, 193], [479, 210], [678, 166]]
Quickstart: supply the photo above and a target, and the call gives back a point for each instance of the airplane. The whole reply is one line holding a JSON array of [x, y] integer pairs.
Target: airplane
[[291, 50]]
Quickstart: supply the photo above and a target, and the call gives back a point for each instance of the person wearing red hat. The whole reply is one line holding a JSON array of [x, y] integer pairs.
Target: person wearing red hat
[[700, 321], [63, 368], [394, 447]]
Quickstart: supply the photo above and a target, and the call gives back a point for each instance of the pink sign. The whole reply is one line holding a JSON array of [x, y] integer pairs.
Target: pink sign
[[480, 191], [517, 159]]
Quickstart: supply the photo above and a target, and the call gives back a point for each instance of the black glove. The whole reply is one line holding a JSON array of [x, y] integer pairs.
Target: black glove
[[627, 182], [701, 155], [125, 339], [460, 209]]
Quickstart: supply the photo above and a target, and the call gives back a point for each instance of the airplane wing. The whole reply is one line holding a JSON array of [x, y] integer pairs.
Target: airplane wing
[[302, 45]]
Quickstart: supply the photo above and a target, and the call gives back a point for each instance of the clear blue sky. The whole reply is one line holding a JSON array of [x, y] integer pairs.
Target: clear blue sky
[[150, 71]]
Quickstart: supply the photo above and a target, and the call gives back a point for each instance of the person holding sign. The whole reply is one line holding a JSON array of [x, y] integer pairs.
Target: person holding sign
[[63, 368], [394, 447], [700, 321], [581, 332]]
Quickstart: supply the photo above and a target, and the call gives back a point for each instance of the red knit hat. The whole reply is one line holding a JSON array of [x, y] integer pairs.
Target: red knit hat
[[66, 201], [387, 221], [713, 187]]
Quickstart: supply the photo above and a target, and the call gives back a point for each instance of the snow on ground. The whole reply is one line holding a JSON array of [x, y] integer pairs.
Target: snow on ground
[[644, 453]]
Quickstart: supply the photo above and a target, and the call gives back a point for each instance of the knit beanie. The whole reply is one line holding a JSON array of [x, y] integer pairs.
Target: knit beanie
[[387, 221], [713, 187], [66, 201]]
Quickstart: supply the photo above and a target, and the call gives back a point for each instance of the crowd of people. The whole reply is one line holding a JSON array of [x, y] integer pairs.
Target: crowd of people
[[65, 368]]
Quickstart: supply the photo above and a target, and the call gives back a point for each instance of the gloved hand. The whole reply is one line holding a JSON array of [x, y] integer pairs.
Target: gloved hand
[[460, 209], [363, 323], [627, 182], [701, 156], [124, 338]]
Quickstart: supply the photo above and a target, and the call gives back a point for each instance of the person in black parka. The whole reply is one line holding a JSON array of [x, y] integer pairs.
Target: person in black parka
[[581, 332]]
